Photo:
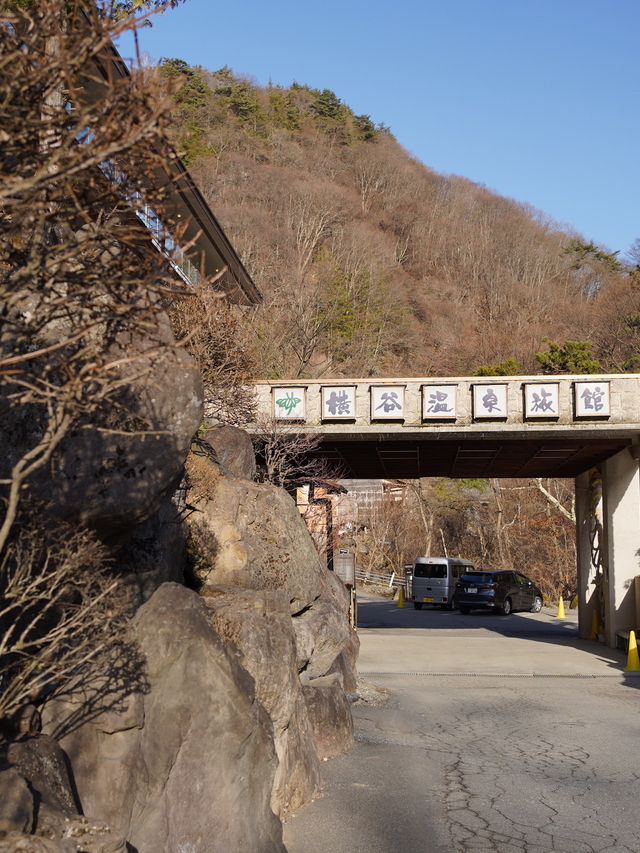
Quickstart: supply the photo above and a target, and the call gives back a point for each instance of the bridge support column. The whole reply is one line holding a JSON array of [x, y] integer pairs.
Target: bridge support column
[[621, 551], [585, 557]]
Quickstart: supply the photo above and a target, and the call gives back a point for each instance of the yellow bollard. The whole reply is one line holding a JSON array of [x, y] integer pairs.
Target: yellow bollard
[[561, 614], [633, 661], [595, 624], [400, 597]]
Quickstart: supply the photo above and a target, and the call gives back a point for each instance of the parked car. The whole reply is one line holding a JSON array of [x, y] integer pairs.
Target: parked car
[[504, 591]]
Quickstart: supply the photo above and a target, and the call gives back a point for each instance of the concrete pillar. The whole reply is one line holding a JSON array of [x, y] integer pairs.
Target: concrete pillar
[[587, 596], [621, 552]]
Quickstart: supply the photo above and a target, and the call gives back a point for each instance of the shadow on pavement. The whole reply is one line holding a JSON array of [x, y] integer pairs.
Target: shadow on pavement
[[376, 614]]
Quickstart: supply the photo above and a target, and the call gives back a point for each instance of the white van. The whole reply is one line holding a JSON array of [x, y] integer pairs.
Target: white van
[[435, 578]]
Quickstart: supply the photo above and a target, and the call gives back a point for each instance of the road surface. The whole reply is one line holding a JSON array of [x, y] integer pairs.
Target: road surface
[[501, 734]]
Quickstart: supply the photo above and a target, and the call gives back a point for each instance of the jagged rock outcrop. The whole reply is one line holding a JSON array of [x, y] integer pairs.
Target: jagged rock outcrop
[[251, 536], [218, 739], [271, 597], [188, 763], [262, 542], [233, 450], [322, 629], [330, 717], [259, 626]]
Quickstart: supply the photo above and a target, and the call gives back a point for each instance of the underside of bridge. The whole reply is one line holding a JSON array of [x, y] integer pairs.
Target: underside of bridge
[[377, 457]]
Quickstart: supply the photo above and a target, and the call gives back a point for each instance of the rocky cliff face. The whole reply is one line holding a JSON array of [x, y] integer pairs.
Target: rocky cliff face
[[243, 688], [271, 598]]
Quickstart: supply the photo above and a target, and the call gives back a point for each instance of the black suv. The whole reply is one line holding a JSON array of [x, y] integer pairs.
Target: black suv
[[504, 591]]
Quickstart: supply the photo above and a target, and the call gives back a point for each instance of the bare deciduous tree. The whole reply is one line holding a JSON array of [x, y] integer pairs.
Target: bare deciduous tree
[[496, 524], [289, 458], [311, 215]]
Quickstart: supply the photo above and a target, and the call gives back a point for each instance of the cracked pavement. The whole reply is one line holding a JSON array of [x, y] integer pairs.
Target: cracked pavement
[[508, 735]]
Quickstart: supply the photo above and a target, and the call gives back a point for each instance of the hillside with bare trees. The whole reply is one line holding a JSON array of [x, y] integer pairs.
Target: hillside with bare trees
[[373, 264]]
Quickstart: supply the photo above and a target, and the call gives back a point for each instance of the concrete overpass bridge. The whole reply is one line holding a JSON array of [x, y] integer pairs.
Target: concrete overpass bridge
[[583, 427]]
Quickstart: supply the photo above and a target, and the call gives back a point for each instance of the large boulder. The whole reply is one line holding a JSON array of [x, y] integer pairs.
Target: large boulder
[[41, 761], [155, 553], [254, 537], [114, 481], [189, 763], [329, 712], [345, 665], [17, 808], [114, 477], [102, 738], [322, 630], [233, 451], [259, 626]]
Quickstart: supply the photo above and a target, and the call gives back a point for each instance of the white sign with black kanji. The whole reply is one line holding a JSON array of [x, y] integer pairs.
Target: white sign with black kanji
[[439, 402], [338, 402], [592, 399], [387, 402], [490, 401], [542, 400]]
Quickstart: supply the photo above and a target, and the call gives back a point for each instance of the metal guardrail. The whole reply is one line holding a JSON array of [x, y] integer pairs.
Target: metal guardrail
[[379, 579]]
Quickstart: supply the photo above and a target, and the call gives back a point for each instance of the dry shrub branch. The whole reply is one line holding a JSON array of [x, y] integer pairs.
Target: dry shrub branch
[[83, 163], [288, 458], [85, 202], [62, 614], [216, 334]]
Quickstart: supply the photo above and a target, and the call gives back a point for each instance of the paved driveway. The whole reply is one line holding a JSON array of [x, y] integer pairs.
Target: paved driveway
[[501, 734]]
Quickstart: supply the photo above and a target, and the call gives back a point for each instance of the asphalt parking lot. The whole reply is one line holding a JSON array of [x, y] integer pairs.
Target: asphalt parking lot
[[500, 734]]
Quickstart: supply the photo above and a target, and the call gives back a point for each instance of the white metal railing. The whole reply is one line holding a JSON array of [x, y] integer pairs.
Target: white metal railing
[[160, 236], [379, 579], [165, 243]]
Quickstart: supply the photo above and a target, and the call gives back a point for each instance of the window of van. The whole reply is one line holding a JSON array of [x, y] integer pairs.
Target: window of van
[[422, 570]]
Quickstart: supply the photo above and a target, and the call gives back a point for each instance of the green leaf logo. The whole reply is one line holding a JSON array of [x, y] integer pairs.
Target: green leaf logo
[[288, 402]]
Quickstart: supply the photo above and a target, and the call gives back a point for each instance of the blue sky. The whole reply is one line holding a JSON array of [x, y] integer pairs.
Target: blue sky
[[536, 99]]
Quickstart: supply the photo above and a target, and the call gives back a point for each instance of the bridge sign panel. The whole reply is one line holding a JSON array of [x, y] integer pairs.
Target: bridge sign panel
[[439, 402], [289, 403], [490, 401], [542, 400], [592, 400], [338, 402], [387, 402]]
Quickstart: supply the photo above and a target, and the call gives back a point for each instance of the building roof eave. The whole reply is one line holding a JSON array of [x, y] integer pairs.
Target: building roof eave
[[202, 231]]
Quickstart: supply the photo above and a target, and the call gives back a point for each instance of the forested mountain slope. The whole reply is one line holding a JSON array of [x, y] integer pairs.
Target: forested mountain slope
[[371, 263]]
